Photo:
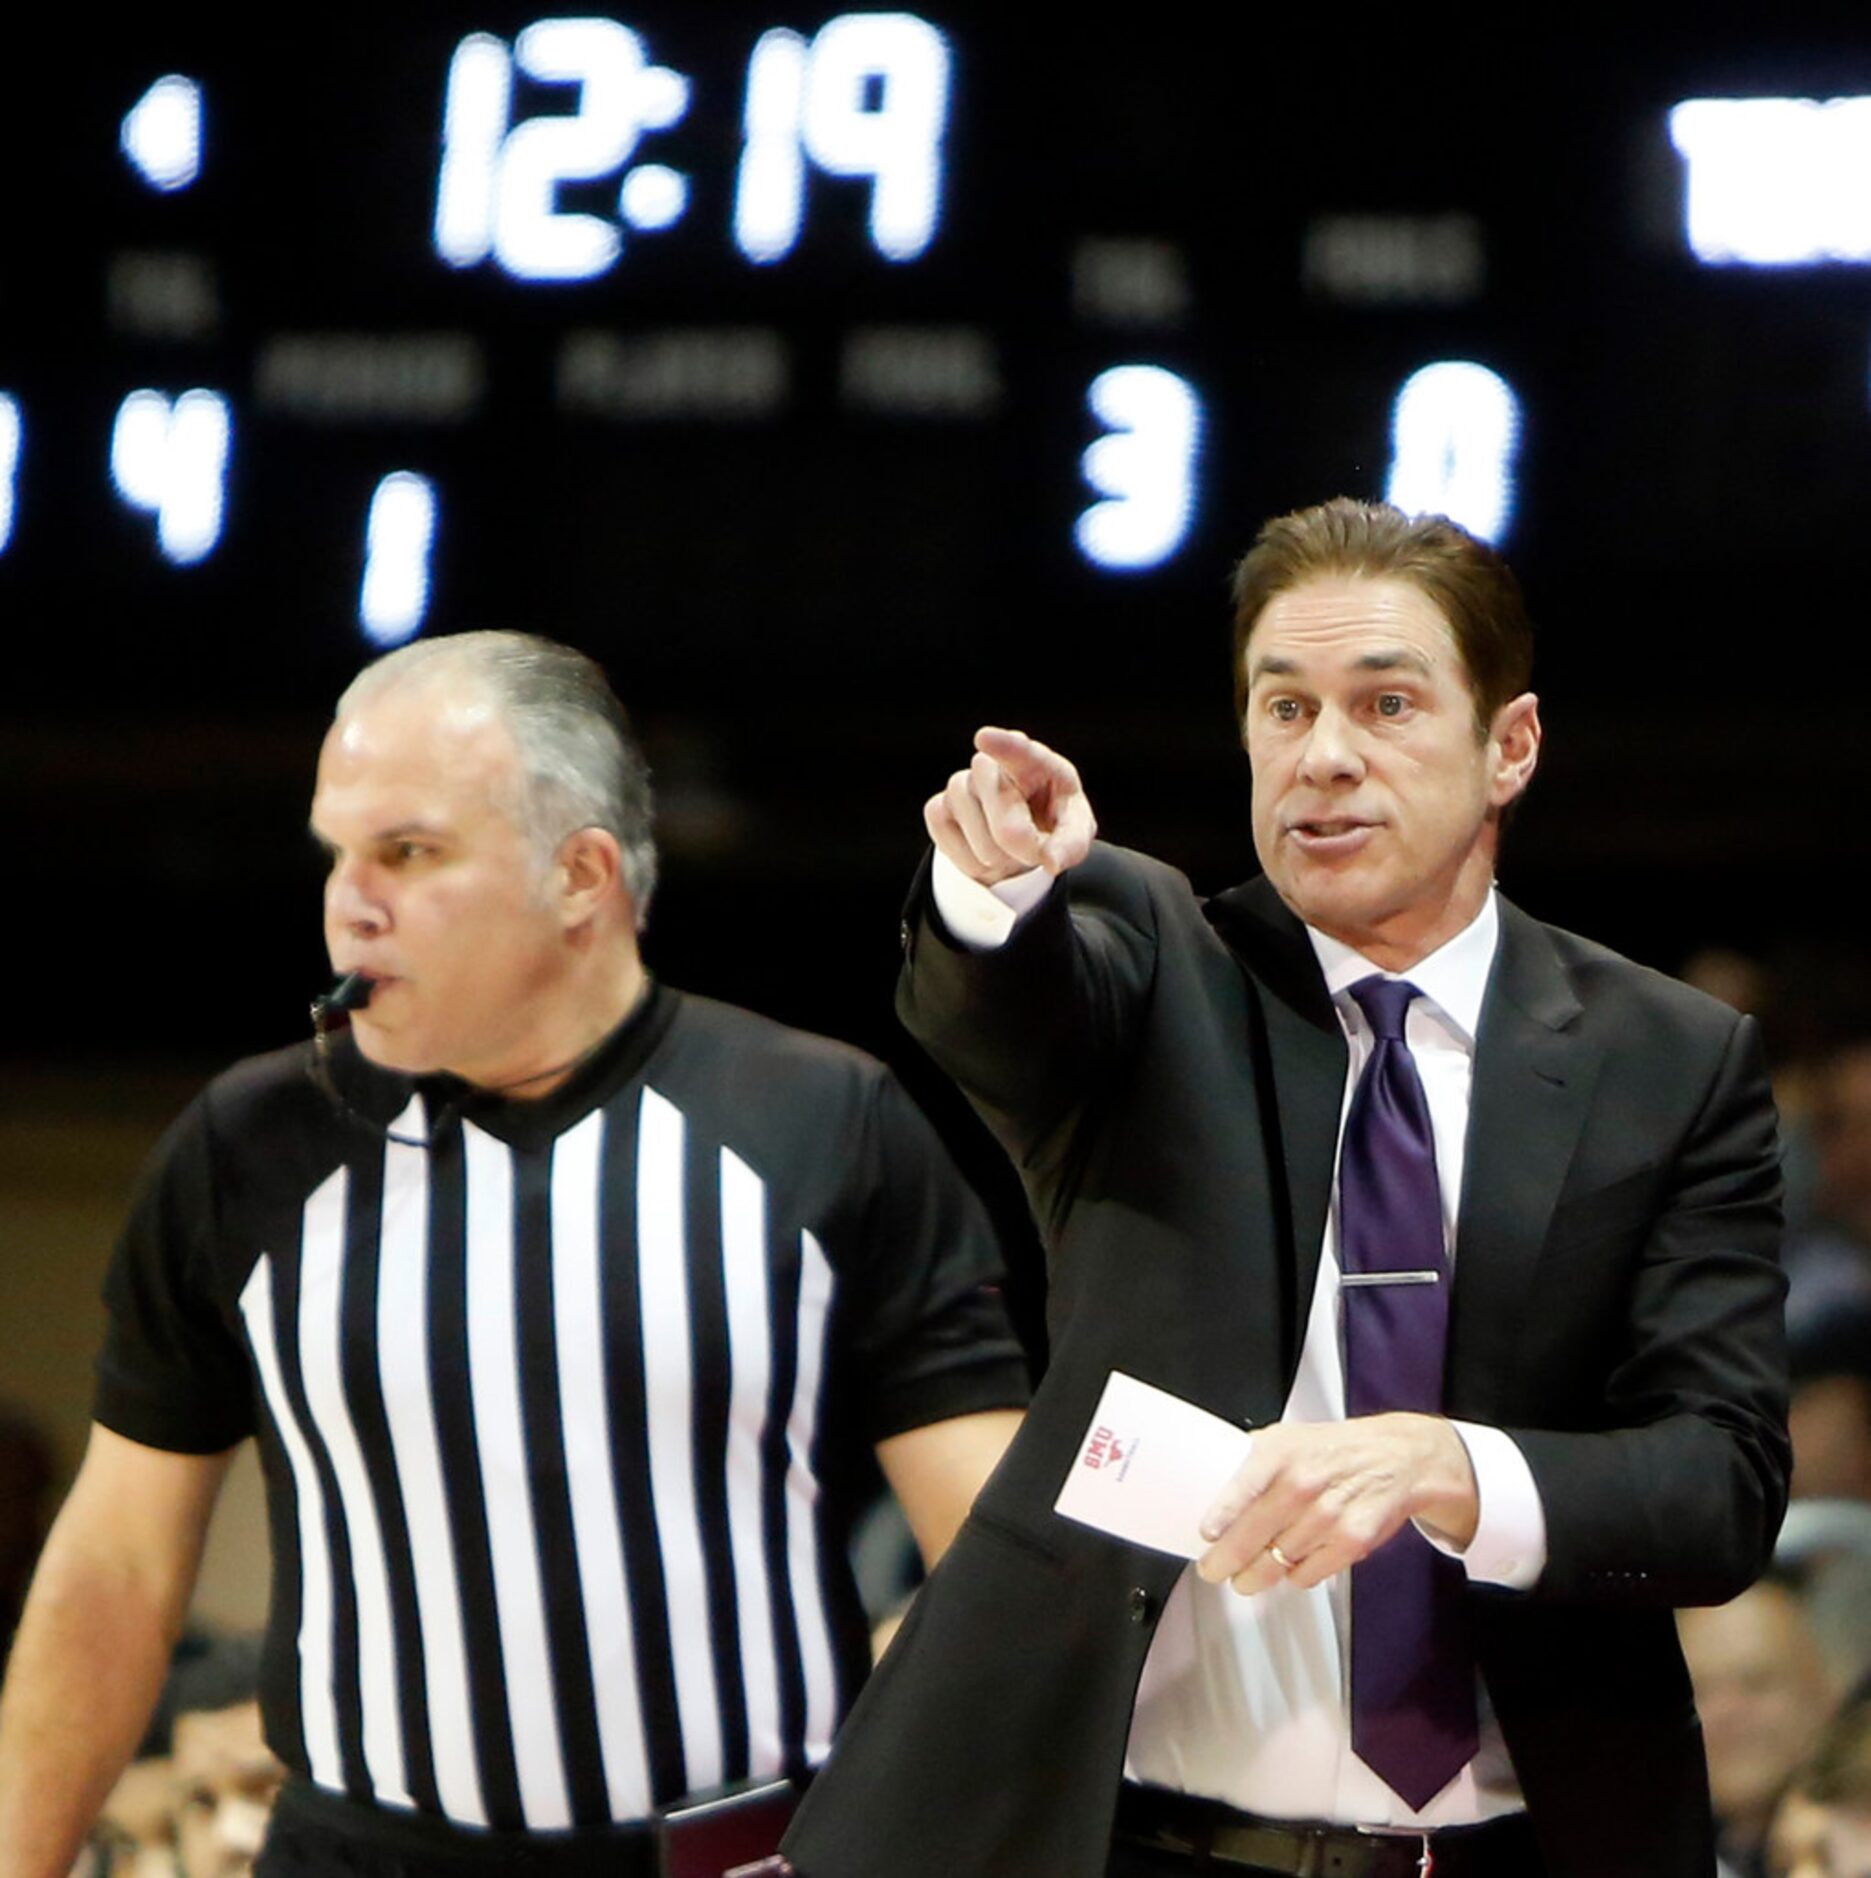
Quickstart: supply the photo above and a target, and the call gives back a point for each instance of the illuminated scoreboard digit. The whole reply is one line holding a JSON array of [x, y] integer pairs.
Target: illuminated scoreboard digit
[[1455, 435], [1144, 467], [169, 458], [161, 134], [9, 464], [399, 538]]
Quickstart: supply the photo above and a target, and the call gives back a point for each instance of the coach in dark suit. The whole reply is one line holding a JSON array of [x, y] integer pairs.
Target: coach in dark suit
[[1429, 1634]]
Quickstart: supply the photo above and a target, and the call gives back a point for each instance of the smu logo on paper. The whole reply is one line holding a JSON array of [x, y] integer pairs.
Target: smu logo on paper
[[1104, 1449]]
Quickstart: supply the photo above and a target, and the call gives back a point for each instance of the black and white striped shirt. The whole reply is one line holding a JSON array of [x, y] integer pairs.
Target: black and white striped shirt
[[559, 1413]]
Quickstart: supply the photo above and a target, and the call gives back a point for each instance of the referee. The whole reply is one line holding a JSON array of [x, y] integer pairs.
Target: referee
[[560, 1303]]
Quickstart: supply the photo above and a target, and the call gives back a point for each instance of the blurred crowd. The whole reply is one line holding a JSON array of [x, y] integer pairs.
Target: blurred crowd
[[195, 1802], [1782, 1675]]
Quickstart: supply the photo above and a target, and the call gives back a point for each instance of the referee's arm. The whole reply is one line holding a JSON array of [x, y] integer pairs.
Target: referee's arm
[[935, 1471], [88, 1663]]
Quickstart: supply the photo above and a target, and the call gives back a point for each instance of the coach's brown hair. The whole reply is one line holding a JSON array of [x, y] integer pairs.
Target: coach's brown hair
[[1471, 586]]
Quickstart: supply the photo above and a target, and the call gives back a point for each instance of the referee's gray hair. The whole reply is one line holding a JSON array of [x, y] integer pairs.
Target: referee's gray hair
[[580, 762]]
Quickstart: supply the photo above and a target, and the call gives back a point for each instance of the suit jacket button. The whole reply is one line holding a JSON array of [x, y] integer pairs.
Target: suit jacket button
[[1142, 1605]]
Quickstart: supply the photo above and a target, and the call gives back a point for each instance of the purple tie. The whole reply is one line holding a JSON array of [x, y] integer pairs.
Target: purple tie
[[1412, 1667]]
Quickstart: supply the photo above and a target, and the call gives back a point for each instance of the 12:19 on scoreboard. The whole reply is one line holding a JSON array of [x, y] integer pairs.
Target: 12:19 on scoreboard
[[867, 96]]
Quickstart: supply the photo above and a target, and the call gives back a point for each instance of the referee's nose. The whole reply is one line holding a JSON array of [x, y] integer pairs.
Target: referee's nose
[[350, 904]]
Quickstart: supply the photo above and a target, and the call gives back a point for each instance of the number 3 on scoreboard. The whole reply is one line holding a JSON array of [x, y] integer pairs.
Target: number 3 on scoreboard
[[1144, 467]]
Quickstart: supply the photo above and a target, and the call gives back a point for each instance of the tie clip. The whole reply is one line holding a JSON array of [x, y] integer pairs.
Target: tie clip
[[1390, 1278]]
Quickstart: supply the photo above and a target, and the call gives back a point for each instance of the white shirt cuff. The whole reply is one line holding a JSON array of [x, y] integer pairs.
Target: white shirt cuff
[[981, 918], [1509, 1546]]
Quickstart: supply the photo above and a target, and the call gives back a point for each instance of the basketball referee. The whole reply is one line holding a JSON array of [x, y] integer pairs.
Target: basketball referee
[[560, 1303]]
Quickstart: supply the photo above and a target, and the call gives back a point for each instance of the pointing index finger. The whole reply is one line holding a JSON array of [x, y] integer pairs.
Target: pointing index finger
[[1030, 765], [1050, 792]]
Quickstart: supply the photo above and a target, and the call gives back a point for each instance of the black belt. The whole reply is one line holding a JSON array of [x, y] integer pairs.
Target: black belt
[[1207, 1832], [731, 1828], [314, 1817]]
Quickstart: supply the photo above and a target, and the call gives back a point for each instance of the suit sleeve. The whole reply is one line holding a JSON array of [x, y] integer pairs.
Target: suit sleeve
[[1031, 1029], [1677, 1498]]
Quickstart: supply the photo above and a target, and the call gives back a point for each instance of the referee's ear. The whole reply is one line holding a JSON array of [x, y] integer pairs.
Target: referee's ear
[[587, 880]]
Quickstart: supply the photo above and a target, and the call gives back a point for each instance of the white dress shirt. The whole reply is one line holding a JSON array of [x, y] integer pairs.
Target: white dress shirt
[[1247, 1700]]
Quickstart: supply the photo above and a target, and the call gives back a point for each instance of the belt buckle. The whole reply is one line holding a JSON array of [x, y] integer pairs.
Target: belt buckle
[[1425, 1857]]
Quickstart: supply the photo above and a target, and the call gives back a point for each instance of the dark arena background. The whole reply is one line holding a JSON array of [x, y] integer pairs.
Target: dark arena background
[[843, 380]]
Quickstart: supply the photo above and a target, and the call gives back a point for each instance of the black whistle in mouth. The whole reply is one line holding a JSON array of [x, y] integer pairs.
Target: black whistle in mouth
[[350, 993]]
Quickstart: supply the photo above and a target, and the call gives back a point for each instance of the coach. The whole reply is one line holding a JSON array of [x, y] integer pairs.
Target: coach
[[1474, 1222]]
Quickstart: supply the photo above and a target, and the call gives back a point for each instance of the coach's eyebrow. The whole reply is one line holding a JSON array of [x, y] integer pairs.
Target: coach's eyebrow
[[1402, 658]]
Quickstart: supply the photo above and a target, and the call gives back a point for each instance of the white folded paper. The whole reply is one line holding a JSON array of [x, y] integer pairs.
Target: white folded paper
[[1150, 1466]]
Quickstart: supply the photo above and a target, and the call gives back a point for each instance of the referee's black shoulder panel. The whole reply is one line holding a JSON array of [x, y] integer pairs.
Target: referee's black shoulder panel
[[795, 1107]]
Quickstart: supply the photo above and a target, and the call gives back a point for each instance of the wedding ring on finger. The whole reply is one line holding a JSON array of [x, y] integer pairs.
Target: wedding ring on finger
[[1279, 1558]]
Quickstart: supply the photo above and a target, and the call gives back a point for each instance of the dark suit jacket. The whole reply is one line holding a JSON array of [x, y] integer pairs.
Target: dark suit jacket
[[1168, 1077]]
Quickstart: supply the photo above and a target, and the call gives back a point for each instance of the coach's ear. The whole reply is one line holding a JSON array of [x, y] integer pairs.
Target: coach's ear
[[1514, 745], [587, 872]]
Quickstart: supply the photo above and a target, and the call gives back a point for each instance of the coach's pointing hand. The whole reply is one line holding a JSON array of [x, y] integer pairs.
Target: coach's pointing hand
[[1017, 806]]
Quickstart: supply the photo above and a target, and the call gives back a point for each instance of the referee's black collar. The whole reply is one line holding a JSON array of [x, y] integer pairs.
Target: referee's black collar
[[524, 1123]]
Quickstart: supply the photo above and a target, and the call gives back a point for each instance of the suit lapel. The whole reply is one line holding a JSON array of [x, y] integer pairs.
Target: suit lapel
[[1533, 1082], [1302, 1075]]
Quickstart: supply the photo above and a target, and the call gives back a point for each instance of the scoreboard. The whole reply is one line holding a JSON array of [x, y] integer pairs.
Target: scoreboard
[[739, 340], [924, 365]]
